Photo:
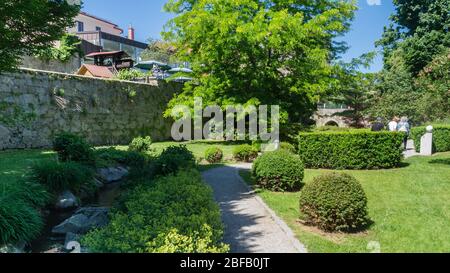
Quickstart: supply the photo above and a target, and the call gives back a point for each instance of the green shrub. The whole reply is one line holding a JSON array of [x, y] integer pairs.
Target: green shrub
[[174, 158], [170, 214], [214, 155], [57, 177], [19, 221], [141, 144], [286, 146], [246, 153], [112, 156], [441, 137], [71, 147], [278, 171], [334, 202], [356, 149]]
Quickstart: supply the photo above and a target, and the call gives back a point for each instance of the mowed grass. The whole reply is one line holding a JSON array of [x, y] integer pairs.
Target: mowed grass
[[410, 208], [15, 164]]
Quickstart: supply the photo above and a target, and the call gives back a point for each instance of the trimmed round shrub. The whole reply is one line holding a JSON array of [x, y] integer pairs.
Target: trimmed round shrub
[[141, 145], [214, 155], [334, 202], [278, 171], [71, 147], [173, 159], [246, 153], [57, 177], [286, 146]]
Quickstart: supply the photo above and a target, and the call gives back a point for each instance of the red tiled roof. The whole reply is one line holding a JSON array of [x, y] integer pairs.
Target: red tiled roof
[[97, 71]]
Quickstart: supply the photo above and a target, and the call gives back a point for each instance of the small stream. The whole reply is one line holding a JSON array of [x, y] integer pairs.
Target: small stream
[[47, 241]]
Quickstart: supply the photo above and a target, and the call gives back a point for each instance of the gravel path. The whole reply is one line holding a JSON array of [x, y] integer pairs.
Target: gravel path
[[250, 226]]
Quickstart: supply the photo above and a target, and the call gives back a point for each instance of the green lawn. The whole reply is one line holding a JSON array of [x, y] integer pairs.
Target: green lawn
[[410, 207], [14, 164]]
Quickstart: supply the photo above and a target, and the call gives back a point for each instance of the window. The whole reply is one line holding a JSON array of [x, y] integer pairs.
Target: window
[[80, 26], [98, 29]]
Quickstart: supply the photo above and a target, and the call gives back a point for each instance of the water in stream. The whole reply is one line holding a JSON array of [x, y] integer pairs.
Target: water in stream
[[47, 241]]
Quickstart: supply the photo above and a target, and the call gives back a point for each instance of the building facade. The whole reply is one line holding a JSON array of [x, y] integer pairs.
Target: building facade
[[102, 35]]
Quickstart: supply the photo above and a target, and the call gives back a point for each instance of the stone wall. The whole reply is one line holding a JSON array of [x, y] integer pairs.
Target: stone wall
[[35, 105], [70, 67]]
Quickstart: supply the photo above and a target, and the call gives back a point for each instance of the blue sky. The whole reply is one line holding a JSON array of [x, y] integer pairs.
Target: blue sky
[[148, 19]]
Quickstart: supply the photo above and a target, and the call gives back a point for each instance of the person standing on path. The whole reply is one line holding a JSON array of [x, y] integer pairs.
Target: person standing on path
[[393, 124], [404, 127], [378, 125]]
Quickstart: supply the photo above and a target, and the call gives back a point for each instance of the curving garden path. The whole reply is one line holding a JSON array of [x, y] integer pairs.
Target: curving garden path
[[250, 226]]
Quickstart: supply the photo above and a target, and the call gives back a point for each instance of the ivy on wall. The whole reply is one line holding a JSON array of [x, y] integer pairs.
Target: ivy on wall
[[12, 114]]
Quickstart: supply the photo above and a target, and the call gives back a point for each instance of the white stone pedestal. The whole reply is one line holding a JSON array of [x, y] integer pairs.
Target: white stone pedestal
[[426, 143]]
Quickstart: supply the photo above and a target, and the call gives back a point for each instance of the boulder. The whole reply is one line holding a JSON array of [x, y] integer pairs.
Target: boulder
[[84, 220], [112, 174], [75, 224], [67, 200]]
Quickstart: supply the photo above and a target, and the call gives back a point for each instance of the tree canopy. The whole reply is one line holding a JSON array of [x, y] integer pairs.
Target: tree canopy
[[30, 26], [259, 52], [419, 31]]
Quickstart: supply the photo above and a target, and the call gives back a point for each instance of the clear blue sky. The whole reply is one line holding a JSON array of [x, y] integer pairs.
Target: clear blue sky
[[148, 19]]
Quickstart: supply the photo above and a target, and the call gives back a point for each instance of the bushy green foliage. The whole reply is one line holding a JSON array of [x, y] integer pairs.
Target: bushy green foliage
[[278, 171], [286, 146], [153, 211], [245, 152], [222, 40], [130, 74], [69, 45], [441, 137], [214, 155], [57, 177], [112, 156], [356, 149], [174, 242], [174, 158], [20, 219], [32, 26], [334, 202], [141, 144], [71, 147]]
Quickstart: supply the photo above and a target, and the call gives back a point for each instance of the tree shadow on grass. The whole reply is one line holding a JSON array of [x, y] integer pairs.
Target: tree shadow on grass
[[444, 161]]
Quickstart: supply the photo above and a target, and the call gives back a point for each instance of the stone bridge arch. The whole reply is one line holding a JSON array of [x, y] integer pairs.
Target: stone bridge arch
[[327, 117]]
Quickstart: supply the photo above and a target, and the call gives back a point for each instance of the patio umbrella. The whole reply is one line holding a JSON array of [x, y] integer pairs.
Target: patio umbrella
[[148, 65], [180, 69]]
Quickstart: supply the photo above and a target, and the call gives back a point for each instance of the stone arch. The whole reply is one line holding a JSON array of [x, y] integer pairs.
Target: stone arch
[[332, 123]]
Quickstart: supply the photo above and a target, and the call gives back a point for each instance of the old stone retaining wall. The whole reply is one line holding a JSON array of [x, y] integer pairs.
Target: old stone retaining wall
[[35, 105]]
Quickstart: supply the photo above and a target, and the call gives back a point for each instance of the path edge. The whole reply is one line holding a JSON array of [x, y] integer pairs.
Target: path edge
[[301, 248]]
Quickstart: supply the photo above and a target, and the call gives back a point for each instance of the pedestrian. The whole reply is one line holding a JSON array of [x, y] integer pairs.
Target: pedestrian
[[378, 125], [393, 124], [404, 127]]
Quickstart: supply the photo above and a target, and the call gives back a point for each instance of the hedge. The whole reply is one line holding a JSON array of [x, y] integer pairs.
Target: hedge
[[355, 149], [441, 137]]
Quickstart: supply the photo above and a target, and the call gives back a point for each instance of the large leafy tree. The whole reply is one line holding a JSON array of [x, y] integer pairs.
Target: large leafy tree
[[30, 26], [259, 51], [419, 31], [159, 50]]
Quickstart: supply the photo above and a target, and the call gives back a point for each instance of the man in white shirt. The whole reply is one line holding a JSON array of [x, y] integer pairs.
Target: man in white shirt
[[393, 124]]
